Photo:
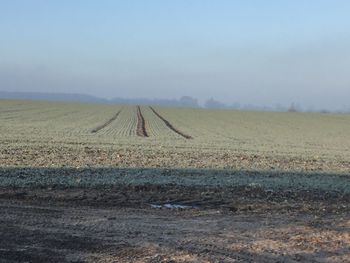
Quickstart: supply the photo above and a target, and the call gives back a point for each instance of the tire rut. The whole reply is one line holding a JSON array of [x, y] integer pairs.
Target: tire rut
[[141, 124], [169, 125], [104, 125]]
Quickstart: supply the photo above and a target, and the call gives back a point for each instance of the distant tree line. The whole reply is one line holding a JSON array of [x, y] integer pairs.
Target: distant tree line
[[184, 101]]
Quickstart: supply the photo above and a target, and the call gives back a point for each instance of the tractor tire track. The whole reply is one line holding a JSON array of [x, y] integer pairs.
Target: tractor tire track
[[104, 125], [169, 125], [141, 124]]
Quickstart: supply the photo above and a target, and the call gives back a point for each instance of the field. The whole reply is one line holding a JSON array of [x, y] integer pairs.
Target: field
[[123, 183]]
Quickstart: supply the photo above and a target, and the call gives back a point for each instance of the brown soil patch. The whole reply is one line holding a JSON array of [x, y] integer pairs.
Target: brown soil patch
[[141, 124], [60, 153]]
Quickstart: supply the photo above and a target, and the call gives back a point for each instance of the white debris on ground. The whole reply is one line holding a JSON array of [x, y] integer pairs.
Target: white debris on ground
[[172, 206]]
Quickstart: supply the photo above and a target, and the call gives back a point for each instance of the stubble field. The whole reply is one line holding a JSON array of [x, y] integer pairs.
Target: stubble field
[[121, 183]]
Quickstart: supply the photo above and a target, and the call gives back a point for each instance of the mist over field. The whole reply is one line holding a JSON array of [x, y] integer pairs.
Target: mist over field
[[252, 53]]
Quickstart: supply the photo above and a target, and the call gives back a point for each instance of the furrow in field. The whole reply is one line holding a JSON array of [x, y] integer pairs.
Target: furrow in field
[[100, 127], [156, 127], [170, 126], [141, 124]]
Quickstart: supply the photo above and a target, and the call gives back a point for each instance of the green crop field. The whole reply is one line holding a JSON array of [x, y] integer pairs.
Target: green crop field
[[176, 137], [86, 136]]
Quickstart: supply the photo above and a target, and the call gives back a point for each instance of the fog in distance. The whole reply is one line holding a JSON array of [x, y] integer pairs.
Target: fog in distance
[[246, 52]]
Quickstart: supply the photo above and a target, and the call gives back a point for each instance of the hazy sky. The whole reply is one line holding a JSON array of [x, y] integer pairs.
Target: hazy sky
[[247, 51]]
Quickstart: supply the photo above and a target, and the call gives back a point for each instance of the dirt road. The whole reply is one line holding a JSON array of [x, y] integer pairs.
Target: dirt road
[[90, 225]]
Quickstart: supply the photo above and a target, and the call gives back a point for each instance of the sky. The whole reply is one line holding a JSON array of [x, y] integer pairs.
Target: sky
[[247, 51]]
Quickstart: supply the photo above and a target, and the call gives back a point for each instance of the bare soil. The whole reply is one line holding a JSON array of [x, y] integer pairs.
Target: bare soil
[[118, 224], [141, 124], [60, 153]]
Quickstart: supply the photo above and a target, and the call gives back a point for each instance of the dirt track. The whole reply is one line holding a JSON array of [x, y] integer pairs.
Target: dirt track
[[141, 124], [118, 224], [106, 123], [169, 125]]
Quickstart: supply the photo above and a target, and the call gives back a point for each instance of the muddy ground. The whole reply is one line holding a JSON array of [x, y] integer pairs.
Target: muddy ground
[[118, 224]]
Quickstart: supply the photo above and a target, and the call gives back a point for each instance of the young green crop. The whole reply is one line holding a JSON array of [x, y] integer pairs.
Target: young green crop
[[221, 138]]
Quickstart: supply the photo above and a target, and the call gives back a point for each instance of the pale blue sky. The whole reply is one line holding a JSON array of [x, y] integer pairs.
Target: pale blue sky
[[250, 51]]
